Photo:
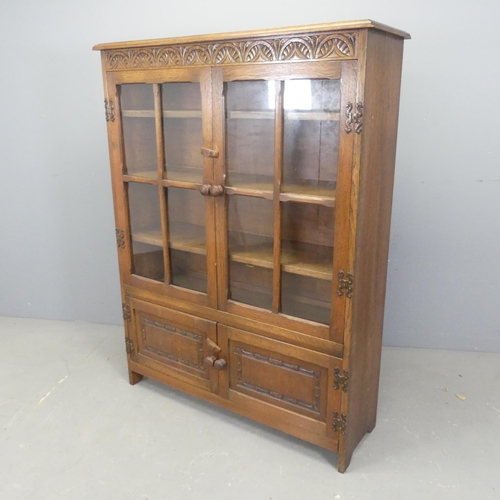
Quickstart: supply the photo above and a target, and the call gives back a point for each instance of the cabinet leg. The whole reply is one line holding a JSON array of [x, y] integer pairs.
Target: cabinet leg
[[372, 425], [344, 461], [134, 377]]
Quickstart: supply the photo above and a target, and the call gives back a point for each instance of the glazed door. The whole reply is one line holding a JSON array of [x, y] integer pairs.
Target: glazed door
[[286, 173], [164, 126]]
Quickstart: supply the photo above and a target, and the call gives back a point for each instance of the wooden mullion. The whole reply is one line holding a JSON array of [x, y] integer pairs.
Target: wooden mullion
[[278, 178], [205, 81], [160, 154], [181, 184], [221, 203]]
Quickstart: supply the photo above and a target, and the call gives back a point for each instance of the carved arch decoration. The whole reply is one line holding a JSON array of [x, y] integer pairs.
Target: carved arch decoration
[[283, 48]]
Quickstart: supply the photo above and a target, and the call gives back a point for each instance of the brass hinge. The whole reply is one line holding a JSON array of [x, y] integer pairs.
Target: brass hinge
[[345, 284], [109, 108], [340, 380], [129, 346], [354, 118], [339, 423], [126, 312], [120, 238]]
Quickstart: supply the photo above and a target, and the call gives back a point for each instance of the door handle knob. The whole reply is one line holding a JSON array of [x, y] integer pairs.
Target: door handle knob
[[205, 189], [220, 364], [216, 190], [209, 361]]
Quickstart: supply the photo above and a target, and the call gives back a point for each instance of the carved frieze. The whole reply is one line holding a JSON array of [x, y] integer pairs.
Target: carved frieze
[[283, 48]]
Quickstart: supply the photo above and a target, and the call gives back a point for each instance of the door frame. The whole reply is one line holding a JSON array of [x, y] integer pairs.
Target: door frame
[[121, 202], [346, 72]]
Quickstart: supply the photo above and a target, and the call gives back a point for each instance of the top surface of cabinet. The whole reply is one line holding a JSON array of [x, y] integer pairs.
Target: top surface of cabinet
[[313, 28]]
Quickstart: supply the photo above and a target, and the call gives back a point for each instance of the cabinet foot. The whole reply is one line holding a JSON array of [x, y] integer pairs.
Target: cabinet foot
[[134, 377], [371, 426], [344, 461]]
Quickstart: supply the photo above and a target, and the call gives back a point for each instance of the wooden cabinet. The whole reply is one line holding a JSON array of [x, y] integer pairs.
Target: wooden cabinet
[[252, 182]]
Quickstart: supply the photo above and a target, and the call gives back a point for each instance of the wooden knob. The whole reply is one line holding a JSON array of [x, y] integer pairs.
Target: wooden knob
[[220, 364], [209, 361], [205, 190], [210, 153], [216, 190]]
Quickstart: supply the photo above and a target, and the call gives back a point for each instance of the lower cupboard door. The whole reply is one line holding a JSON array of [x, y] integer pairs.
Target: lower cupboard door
[[286, 387], [174, 343]]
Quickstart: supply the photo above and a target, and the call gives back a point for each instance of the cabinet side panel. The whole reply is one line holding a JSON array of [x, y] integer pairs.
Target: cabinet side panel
[[376, 177]]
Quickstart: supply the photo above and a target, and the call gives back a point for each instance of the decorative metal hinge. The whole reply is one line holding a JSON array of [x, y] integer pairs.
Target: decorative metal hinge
[[354, 118], [110, 110], [339, 423], [126, 312], [345, 284], [340, 380], [120, 238], [129, 346]]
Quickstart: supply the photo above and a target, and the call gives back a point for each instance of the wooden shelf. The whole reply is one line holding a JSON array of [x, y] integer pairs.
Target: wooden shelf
[[289, 115], [150, 113], [184, 237], [324, 116], [261, 186], [149, 237], [188, 175], [260, 255], [254, 190], [188, 238], [319, 195], [138, 113], [181, 113], [242, 184], [236, 115], [187, 244], [292, 260], [191, 238]]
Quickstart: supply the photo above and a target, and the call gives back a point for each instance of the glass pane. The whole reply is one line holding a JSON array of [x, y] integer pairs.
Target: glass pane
[[307, 261], [306, 298], [145, 225], [311, 136], [250, 250], [187, 238], [249, 135], [183, 132], [139, 135]]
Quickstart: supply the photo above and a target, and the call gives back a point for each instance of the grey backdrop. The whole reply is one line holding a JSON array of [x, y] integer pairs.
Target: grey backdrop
[[57, 248]]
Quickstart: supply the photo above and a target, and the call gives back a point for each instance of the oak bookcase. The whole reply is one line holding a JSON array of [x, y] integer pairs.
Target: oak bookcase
[[252, 182]]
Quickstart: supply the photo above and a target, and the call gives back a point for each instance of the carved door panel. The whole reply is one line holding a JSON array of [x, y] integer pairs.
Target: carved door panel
[[292, 386], [174, 343]]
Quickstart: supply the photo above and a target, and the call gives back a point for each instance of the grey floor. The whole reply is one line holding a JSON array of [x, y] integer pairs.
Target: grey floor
[[73, 428]]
